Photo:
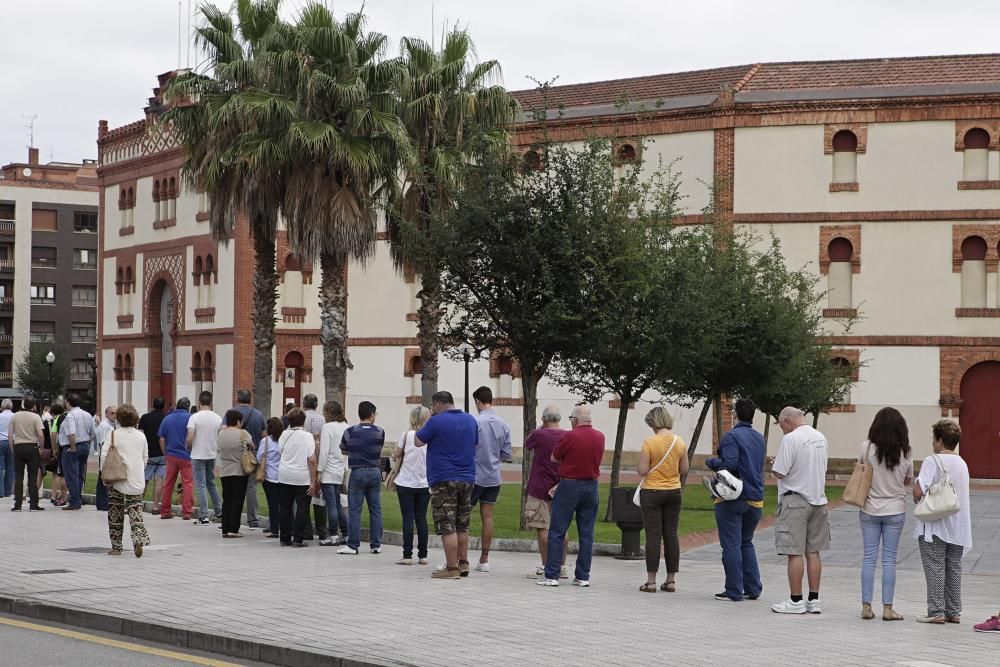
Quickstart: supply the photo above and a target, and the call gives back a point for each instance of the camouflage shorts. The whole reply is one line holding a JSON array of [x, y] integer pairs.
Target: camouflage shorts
[[451, 505]]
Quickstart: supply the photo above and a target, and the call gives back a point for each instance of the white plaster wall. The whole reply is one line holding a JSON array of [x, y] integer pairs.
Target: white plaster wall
[[905, 166], [109, 387], [377, 299], [693, 156], [140, 387], [223, 389], [183, 385], [898, 376], [107, 297]]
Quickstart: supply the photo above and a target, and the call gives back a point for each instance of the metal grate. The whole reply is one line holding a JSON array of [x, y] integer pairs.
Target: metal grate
[[56, 571]]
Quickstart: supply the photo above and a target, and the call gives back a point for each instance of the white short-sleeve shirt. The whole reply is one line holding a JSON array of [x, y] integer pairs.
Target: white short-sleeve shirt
[[957, 528], [802, 458], [206, 425]]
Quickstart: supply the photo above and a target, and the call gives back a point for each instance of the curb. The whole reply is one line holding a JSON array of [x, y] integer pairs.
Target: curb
[[166, 635]]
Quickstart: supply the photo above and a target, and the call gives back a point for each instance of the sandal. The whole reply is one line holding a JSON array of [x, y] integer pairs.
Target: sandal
[[668, 587], [648, 588]]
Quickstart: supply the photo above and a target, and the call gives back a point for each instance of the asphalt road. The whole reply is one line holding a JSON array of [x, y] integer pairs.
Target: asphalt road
[[26, 642]]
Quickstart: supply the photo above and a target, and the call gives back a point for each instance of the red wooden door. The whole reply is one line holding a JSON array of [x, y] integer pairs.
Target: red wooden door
[[980, 418]]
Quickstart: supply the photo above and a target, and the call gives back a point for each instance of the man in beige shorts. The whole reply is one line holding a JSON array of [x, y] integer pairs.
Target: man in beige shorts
[[802, 527], [542, 481]]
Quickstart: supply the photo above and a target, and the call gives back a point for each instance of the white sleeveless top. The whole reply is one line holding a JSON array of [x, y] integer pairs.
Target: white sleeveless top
[[413, 472]]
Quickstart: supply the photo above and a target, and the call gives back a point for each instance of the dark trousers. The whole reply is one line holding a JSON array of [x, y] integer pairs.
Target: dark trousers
[[661, 510], [26, 456], [102, 498], [737, 521], [322, 521], [413, 505], [234, 491], [289, 496], [273, 494]]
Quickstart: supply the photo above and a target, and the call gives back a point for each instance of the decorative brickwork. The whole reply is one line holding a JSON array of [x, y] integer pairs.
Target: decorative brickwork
[[979, 185], [853, 357], [293, 315], [991, 126], [126, 231], [955, 361], [840, 312], [626, 151], [724, 161], [977, 312], [860, 130], [500, 362], [989, 233], [845, 187], [204, 315], [412, 317], [411, 361], [828, 233], [502, 402], [126, 321], [614, 404]]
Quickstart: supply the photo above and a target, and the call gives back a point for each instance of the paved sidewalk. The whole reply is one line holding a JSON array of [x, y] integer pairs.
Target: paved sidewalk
[[368, 609]]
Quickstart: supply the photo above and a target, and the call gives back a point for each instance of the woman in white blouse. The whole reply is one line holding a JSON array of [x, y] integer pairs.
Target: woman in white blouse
[[412, 489], [126, 494], [297, 479], [943, 542], [331, 464]]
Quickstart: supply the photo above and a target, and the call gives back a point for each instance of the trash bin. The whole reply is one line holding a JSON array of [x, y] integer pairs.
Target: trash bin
[[628, 518]]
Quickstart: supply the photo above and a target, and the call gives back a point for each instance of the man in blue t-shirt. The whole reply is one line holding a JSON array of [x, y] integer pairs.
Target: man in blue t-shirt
[[363, 445], [451, 437], [173, 442]]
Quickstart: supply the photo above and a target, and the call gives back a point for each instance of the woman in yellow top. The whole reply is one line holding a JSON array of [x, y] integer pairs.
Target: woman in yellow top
[[663, 465]]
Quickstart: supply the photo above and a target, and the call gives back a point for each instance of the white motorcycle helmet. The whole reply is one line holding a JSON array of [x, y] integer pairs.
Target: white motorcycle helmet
[[725, 485]]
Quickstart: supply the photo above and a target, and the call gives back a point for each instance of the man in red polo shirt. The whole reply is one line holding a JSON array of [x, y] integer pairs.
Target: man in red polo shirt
[[579, 455]]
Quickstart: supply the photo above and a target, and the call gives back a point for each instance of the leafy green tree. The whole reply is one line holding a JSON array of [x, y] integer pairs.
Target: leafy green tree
[[33, 375], [454, 111], [235, 148]]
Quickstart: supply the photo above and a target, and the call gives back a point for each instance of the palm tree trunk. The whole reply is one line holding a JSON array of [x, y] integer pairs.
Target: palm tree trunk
[[265, 298], [333, 325], [428, 321], [529, 421], [616, 462]]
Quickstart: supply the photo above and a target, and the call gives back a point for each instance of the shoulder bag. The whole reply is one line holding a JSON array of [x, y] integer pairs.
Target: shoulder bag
[[390, 480], [941, 499], [248, 459], [262, 464], [114, 468], [635, 496], [858, 487]]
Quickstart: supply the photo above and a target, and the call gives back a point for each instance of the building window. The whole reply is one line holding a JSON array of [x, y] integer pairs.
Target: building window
[[44, 220], [841, 275], [845, 368], [973, 272], [43, 258], [976, 156], [84, 333], [42, 332], [84, 222], [84, 295], [84, 258], [845, 157], [79, 370], [43, 294]]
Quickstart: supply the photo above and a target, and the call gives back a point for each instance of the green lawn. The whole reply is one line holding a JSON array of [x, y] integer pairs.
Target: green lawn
[[697, 515]]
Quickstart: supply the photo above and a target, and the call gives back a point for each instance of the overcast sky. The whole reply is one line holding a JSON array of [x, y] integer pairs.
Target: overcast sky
[[73, 62]]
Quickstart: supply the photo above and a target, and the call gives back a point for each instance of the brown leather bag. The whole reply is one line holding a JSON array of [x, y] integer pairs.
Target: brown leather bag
[[113, 468], [858, 487]]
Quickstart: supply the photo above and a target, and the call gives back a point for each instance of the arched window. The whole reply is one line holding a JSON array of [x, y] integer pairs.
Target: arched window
[[209, 265], [973, 272], [625, 153], [199, 268], [131, 198], [208, 368], [505, 365], [292, 263], [128, 279], [120, 283], [532, 161], [976, 156], [843, 366], [156, 191], [840, 276], [172, 190], [416, 368], [845, 157]]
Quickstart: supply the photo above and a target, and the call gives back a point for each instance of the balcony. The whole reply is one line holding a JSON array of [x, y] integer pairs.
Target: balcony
[[6, 378], [6, 227], [6, 265], [6, 340], [6, 303]]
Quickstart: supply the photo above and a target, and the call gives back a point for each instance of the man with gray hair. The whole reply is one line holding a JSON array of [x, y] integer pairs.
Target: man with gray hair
[[579, 455], [542, 482], [803, 527], [6, 452]]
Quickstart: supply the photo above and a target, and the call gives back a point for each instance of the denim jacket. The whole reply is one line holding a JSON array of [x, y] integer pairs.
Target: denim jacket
[[741, 452]]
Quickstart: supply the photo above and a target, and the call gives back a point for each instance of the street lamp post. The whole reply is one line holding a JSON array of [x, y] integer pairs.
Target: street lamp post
[[467, 353], [92, 362], [50, 359]]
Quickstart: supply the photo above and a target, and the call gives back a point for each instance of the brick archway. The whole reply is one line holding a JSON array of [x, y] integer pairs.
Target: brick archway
[[160, 383], [955, 362]]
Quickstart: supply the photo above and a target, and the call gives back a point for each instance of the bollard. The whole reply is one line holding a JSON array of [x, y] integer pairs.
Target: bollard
[[628, 518]]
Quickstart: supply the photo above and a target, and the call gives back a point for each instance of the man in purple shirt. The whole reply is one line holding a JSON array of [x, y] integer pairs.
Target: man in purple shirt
[[542, 482]]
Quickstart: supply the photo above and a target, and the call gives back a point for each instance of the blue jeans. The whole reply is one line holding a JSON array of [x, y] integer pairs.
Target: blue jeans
[[204, 477], [335, 514], [365, 486], [75, 471], [887, 529], [737, 520], [6, 469], [413, 505], [579, 497]]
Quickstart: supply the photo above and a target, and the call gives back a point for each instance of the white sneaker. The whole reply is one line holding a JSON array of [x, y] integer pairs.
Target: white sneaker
[[539, 573], [582, 583], [347, 550], [563, 572], [789, 607], [376, 550], [814, 607], [482, 567], [547, 582]]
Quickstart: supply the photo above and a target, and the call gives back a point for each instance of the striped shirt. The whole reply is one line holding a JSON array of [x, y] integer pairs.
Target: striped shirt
[[79, 423], [314, 423]]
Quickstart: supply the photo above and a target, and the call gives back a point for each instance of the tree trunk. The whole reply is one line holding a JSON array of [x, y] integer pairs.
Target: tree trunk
[[265, 299], [697, 429], [529, 421], [767, 430], [717, 420], [428, 322], [333, 325], [616, 461], [816, 419]]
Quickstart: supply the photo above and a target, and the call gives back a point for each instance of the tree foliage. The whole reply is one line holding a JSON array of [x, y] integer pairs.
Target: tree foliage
[[32, 376]]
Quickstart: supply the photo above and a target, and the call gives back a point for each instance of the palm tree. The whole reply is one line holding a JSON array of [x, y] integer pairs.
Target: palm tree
[[235, 148], [347, 142], [453, 109]]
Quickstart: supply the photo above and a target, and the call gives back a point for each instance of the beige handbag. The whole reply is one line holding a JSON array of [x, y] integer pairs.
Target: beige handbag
[[114, 468], [262, 464], [860, 484]]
